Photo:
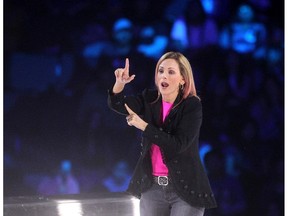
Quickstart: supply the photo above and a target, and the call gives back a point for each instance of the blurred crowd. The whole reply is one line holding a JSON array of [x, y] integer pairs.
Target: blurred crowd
[[63, 133]]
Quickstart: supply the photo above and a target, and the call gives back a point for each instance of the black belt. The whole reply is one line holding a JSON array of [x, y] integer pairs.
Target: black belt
[[161, 180]]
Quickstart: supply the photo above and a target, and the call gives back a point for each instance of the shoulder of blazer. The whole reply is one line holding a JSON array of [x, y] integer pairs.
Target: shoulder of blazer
[[190, 104], [190, 101], [150, 95], [193, 100]]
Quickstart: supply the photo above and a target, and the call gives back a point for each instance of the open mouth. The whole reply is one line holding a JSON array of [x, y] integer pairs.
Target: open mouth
[[164, 84]]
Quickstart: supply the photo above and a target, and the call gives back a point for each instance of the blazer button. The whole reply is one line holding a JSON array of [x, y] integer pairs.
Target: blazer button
[[205, 195], [178, 172], [161, 129], [181, 181], [199, 195], [175, 161], [156, 136], [186, 187], [192, 192], [138, 182]]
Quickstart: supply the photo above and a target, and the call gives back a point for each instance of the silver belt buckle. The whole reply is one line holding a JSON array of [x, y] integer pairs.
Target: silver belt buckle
[[162, 180]]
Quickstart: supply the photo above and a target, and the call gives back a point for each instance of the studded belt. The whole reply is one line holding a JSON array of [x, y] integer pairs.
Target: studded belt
[[161, 180]]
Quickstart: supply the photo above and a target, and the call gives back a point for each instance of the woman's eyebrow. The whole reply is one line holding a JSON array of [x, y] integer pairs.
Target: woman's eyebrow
[[167, 68]]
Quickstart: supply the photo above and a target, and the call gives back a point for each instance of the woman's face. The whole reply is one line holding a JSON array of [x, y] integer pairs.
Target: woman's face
[[168, 79]]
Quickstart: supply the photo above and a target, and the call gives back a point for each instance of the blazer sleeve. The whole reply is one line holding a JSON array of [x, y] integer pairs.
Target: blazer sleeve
[[116, 102]]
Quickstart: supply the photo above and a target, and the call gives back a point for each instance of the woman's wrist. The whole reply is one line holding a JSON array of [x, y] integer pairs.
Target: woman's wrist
[[118, 87], [144, 126]]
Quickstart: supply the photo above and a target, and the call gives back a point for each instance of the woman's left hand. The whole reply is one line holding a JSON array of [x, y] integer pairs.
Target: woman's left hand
[[134, 120]]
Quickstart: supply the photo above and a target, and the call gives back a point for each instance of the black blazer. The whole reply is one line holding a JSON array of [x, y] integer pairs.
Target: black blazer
[[178, 140]]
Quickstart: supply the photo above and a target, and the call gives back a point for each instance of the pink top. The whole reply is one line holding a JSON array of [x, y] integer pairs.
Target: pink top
[[158, 167]]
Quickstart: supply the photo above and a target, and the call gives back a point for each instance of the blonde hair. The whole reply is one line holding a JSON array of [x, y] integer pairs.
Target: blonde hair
[[185, 70]]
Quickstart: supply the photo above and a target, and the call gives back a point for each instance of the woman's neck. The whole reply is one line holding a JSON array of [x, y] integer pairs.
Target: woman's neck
[[169, 99]]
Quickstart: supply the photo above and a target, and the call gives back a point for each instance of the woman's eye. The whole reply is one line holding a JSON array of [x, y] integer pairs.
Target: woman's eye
[[171, 72], [160, 71]]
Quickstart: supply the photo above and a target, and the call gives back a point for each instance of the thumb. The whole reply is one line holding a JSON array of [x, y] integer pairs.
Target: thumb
[[130, 111]]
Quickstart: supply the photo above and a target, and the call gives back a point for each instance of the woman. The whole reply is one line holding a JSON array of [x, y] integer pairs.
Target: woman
[[169, 178]]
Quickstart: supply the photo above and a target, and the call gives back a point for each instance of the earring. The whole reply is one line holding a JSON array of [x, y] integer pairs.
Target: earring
[[181, 87]]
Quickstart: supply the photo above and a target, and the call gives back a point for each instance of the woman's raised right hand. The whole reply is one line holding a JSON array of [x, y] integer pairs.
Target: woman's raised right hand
[[122, 74]]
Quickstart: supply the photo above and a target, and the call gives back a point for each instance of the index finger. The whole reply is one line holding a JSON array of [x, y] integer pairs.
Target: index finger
[[130, 111], [126, 64]]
